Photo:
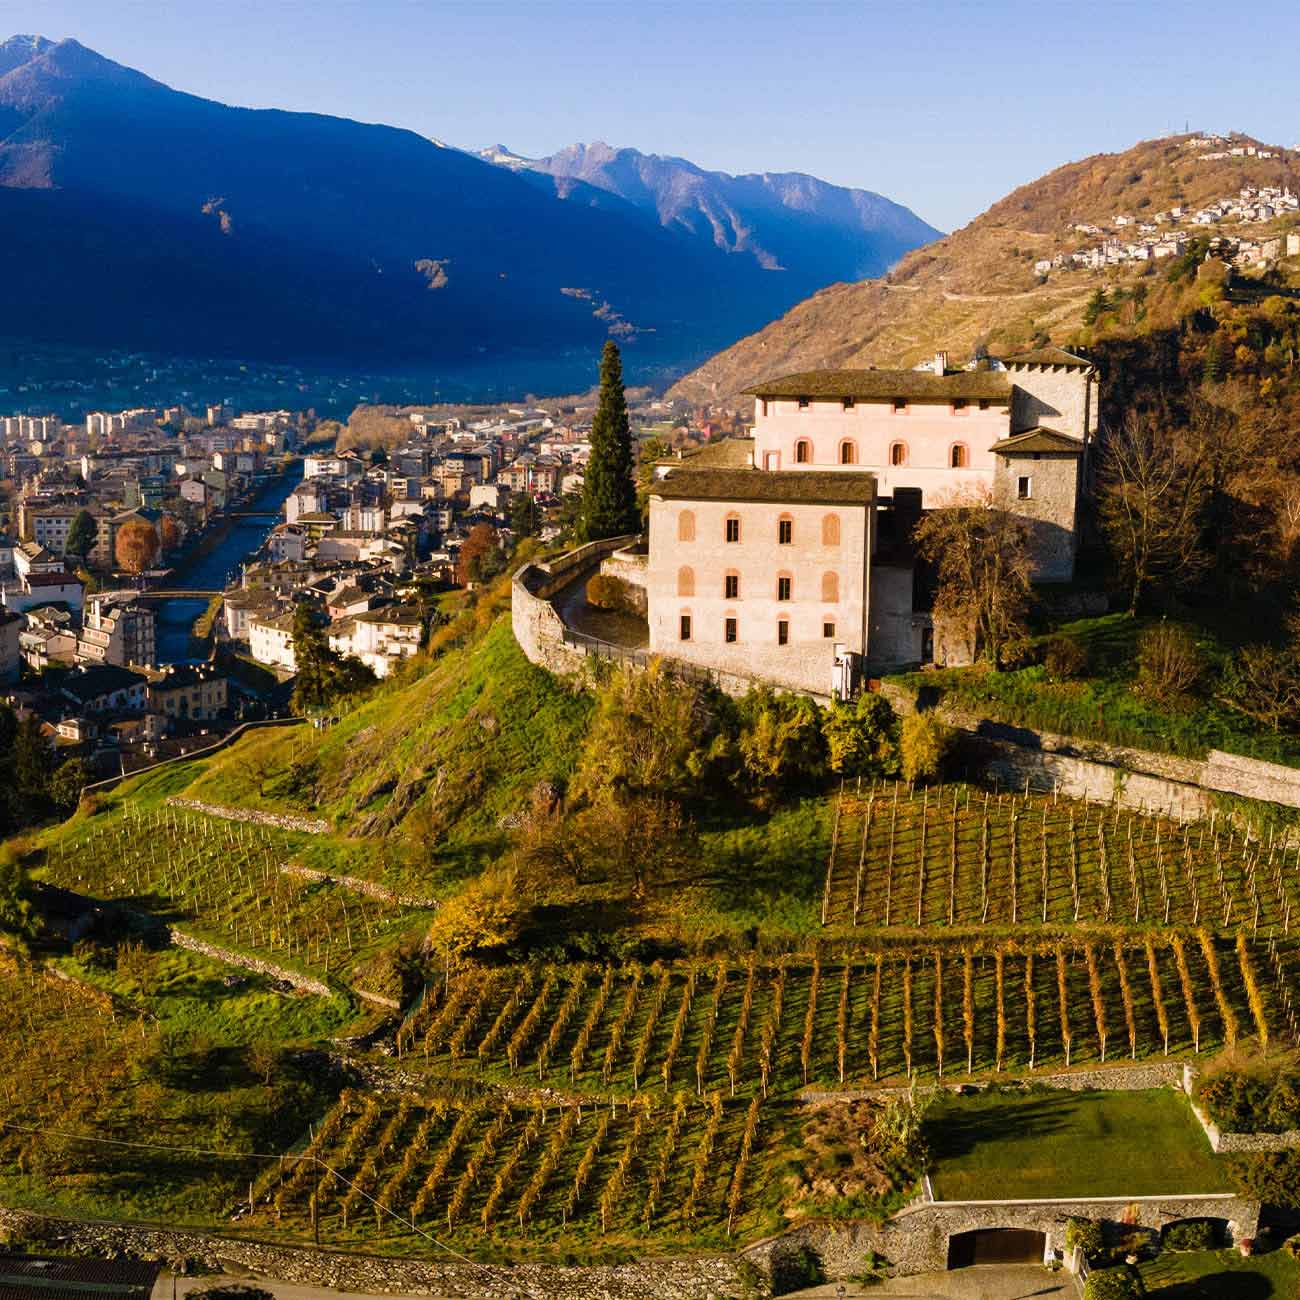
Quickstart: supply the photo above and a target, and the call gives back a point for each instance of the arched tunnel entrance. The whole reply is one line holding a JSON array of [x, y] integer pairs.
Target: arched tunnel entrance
[[996, 1246]]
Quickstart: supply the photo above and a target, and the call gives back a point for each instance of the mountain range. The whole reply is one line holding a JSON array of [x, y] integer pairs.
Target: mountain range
[[784, 221], [139, 216], [983, 286]]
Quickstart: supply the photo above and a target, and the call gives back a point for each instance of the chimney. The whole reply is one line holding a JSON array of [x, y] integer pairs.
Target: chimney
[[940, 363]]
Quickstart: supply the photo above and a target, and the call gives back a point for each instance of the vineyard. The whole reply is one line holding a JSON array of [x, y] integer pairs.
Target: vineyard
[[962, 856], [768, 1028], [226, 879], [672, 1165]]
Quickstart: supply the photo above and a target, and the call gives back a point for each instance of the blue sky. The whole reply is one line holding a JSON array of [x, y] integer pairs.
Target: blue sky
[[943, 106]]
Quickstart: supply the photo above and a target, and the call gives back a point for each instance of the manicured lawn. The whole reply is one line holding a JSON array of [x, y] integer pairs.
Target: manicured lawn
[[1221, 1275], [1046, 1144]]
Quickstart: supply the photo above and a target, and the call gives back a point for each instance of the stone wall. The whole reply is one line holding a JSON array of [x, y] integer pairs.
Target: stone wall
[[358, 886], [916, 1239], [281, 821], [629, 566], [303, 983], [704, 1277], [1050, 511], [1142, 779], [1241, 1143]]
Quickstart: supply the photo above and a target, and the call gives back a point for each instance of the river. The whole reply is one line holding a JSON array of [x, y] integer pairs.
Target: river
[[215, 570]]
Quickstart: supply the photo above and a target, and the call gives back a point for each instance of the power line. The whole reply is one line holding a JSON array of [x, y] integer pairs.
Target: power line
[[266, 1155]]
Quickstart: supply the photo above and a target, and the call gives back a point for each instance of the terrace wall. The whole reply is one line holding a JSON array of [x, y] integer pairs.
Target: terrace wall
[[1088, 769], [695, 1278]]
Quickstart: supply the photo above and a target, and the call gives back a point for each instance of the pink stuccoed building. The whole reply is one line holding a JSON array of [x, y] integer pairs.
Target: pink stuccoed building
[[788, 557]]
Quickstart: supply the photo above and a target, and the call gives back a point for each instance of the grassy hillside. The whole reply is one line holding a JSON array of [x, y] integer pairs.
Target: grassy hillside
[[427, 768]]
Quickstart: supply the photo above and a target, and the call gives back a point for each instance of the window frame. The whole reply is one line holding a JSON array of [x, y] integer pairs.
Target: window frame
[[954, 451], [900, 405], [898, 454], [685, 581], [784, 587], [730, 630], [958, 406], [785, 530], [731, 585], [686, 525], [727, 529], [828, 629], [783, 631], [805, 403], [848, 451], [803, 451], [830, 587], [684, 627], [1024, 487]]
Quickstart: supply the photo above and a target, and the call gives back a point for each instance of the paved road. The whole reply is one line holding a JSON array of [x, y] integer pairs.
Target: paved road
[[983, 1282]]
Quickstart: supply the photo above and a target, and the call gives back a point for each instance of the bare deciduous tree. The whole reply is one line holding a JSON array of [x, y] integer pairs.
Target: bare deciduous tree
[[1152, 496], [981, 555]]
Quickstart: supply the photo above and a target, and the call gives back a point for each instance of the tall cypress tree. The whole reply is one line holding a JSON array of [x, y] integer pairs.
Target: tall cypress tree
[[608, 490]]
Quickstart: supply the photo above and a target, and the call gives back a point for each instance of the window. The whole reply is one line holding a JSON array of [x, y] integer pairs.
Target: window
[[803, 403], [984, 403], [898, 453], [802, 452], [685, 628], [733, 528], [731, 587], [729, 631], [830, 588], [763, 406], [784, 532], [686, 526], [959, 406], [771, 460], [958, 457], [685, 581], [783, 631], [1024, 487], [849, 403], [848, 452], [830, 530], [900, 406], [828, 630], [784, 586]]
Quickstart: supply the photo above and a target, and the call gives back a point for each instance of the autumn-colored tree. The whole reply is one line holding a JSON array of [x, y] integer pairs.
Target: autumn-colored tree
[[169, 533], [136, 546], [477, 552]]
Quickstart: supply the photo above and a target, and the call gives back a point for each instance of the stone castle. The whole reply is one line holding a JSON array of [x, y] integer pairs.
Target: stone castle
[[787, 556]]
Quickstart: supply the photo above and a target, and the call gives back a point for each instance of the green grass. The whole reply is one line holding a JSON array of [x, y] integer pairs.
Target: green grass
[[1221, 1275], [1038, 1144], [188, 994], [1104, 706]]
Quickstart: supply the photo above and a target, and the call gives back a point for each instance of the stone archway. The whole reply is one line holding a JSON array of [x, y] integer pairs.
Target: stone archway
[[996, 1246]]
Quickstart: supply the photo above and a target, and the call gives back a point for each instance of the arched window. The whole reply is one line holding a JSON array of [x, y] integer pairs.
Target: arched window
[[898, 453], [803, 452], [686, 526], [686, 581], [784, 530], [848, 452], [830, 588], [959, 457], [830, 530]]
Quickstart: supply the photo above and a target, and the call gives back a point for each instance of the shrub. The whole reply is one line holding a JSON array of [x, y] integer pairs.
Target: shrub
[[925, 746], [1292, 1246], [1271, 1176], [605, 592], [1191, 1234], [1169, 663], [861, 738], [1085, 1233], [1284, 1106], [1065, 659], [1123, 1283]]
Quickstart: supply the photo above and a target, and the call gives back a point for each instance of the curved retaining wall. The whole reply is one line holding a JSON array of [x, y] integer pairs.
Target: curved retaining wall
[[281, 821]]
